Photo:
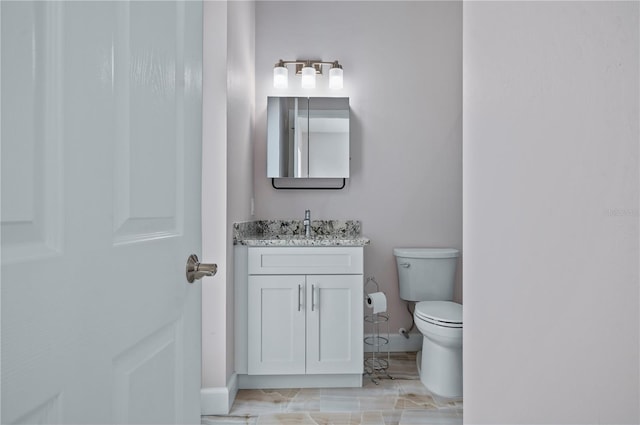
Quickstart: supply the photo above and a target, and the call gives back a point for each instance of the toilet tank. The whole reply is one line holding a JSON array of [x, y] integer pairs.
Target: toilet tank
[[426, 274]]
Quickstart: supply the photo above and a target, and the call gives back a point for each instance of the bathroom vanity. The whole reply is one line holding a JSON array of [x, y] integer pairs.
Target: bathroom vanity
[[299, 311]]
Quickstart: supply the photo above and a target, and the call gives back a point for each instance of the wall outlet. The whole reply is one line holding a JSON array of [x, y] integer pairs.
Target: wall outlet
[[252, 207]]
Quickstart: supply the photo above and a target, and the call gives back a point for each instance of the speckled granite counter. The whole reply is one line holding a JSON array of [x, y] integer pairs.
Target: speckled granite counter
[[291, 233]]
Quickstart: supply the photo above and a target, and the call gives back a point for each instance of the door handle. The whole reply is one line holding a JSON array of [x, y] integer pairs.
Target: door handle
[[299, 301], [197, 270], [313, 297]]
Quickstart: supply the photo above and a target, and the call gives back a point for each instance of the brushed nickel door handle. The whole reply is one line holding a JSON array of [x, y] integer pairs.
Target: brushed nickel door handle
[[197, 270]]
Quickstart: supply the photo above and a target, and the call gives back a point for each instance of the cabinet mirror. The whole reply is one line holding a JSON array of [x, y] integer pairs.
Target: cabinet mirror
[[308, 137]]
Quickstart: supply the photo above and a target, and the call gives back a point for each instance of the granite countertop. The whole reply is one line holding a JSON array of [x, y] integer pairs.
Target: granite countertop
[[291, 233], [298, 240]]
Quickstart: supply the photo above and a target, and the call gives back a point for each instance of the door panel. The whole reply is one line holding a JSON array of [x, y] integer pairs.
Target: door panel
[[31, 216], [154, 361], [334, 330], [276, 325], [101, 113], [148, 158]]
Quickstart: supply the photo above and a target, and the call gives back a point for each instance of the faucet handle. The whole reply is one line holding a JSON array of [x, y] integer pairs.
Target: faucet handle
[[307, 223]]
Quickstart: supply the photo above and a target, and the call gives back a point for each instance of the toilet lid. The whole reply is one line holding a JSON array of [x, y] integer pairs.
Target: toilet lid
[[447, 313]]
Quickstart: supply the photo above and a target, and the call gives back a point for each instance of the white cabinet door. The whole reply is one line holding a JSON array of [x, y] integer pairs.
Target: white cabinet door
[[334, 324], [276, 320]]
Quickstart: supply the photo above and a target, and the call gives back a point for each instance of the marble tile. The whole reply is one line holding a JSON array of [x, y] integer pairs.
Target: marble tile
[[369, 397], [411, 386], [351, 418], [385, 387], [323, 418], [338, 403], [300, 418], [400, 401], [444, 402], [306, 400], [392, 417], [430, 417], [371, 418], [229, 420], [377, 403], [254, 402], [415, 401], [403, 366]]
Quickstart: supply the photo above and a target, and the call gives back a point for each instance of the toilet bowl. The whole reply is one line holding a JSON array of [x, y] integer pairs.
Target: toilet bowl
[[426, 276], [440, 362]]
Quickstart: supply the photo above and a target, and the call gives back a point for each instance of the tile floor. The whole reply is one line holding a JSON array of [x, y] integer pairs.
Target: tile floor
[[399, 401]]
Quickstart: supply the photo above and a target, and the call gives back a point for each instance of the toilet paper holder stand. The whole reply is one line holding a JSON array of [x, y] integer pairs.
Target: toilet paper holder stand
[[376, 356]]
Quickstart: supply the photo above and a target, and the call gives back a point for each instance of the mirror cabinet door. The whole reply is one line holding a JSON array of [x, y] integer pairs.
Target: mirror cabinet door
[[328, 137], [307, 137]]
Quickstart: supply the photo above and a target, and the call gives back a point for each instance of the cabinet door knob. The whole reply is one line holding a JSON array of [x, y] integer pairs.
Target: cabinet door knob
[[299, 297], [313, 297]]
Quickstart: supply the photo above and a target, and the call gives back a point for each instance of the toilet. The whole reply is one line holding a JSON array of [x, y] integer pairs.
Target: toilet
[[427, 276]]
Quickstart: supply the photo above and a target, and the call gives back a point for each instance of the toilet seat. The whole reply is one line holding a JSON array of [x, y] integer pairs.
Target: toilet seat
[[441, 313]]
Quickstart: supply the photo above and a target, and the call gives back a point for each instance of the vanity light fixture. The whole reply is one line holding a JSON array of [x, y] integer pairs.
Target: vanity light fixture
[[335, 76], [308, 69], [280, 76], [308, 77]]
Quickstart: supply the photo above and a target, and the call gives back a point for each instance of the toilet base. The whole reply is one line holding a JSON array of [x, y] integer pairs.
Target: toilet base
[[440, 369]]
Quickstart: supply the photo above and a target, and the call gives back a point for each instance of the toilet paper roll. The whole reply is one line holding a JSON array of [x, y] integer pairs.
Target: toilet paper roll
[[377, 301]]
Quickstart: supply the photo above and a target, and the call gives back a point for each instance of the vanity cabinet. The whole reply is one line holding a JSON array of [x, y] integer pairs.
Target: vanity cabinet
[[305, 324], [304, 317]]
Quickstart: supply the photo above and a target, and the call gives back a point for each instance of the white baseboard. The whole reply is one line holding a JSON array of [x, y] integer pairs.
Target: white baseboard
[[218, 400], [398, 343], [345, 380]]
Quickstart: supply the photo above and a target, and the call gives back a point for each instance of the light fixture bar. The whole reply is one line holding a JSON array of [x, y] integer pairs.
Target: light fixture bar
[[308, 69], [314, 64]]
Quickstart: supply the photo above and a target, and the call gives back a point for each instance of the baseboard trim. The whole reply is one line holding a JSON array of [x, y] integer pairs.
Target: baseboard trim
[[218, 400], [398, 343], [352, 380]]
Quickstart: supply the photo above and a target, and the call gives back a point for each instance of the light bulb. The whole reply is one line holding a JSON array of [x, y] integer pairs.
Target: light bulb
[[308, 77], [280, 77], [335, 78]]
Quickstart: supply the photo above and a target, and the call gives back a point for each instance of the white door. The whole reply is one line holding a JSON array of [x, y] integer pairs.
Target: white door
[[334, 324], [101, 143], [276, 317]]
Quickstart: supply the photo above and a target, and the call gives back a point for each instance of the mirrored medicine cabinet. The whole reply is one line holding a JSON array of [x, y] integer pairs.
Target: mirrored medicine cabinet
[[308, 137]]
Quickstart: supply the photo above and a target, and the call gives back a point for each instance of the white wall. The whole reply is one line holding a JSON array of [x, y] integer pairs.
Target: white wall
[[240, 122], [214, 192], [551, 212], [406, 142], [228, 106]]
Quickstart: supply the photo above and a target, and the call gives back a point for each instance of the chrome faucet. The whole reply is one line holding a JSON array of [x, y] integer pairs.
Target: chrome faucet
[[307, 223]]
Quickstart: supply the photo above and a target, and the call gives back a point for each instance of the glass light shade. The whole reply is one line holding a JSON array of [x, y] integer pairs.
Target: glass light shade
[[335, 78], [308, 77], [280, 77]]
